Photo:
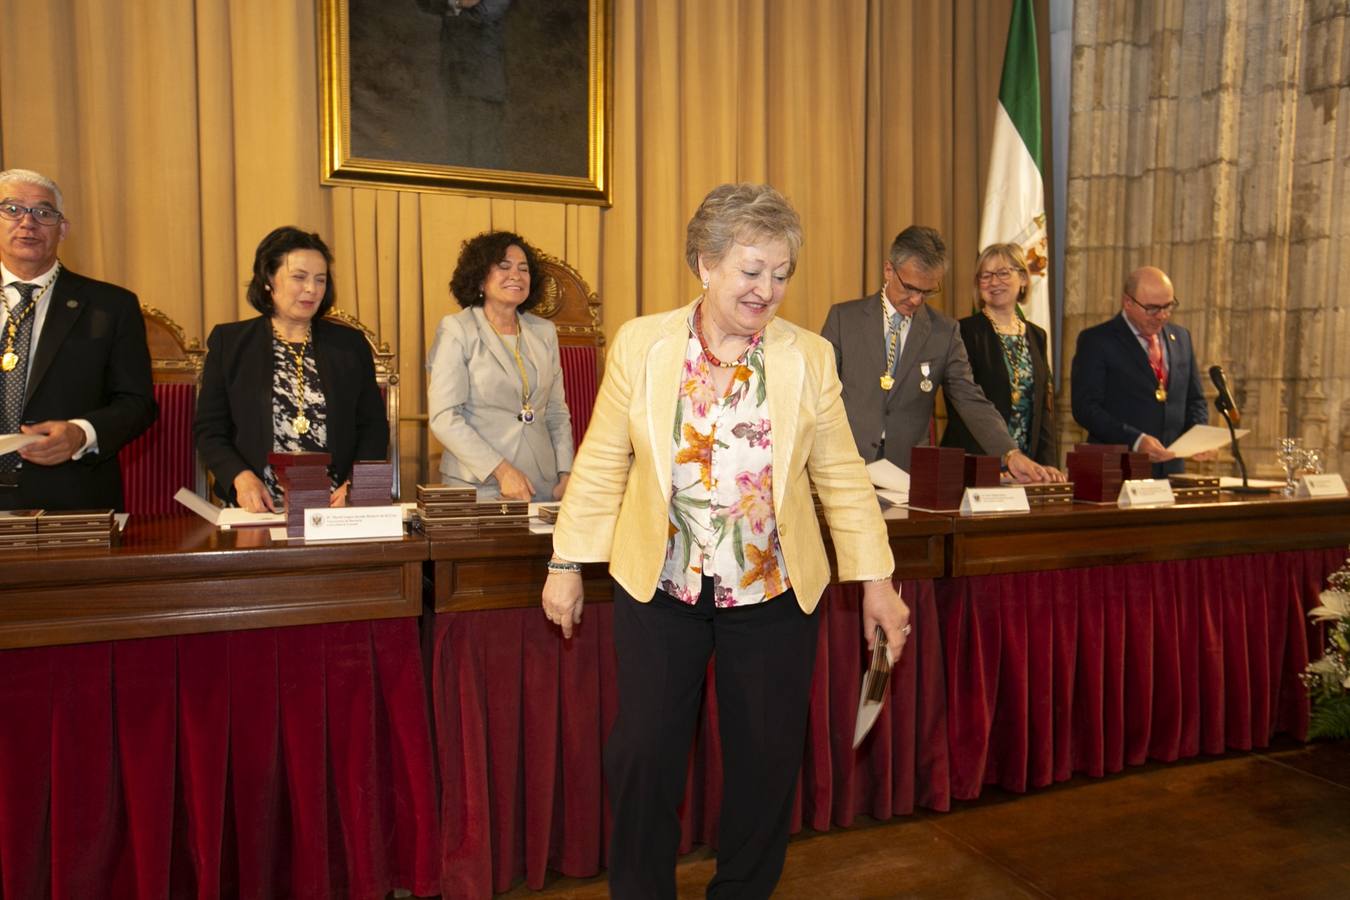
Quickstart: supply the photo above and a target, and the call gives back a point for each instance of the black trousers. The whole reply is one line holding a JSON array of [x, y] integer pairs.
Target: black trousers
[[765, 657]]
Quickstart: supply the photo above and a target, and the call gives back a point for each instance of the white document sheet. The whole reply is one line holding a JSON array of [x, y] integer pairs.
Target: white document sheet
[[17, 441], [1232, 481], [226, 518], [888, 476], [1203, 437]]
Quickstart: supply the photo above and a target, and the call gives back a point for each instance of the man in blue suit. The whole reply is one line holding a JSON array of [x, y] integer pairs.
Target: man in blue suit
[[1135, 380]]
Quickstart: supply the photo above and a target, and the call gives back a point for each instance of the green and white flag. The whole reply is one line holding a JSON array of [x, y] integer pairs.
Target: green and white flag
[[1014, 197]]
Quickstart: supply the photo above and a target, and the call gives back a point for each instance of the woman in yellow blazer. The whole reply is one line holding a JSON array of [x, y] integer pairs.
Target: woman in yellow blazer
[[694, 484]]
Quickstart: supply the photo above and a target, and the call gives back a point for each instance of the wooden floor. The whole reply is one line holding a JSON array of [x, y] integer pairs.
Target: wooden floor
[[1273, 825]]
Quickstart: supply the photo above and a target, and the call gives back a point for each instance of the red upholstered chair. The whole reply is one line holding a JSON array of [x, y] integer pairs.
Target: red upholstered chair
[[575, 309], [164, 459], [386, 375]]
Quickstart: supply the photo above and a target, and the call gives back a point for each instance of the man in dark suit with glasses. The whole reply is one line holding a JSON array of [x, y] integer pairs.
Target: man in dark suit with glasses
[[74, 366], [1135, 380]]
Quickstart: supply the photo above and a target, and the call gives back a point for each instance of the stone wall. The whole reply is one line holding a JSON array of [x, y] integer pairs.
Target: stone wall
[[1212, 138]]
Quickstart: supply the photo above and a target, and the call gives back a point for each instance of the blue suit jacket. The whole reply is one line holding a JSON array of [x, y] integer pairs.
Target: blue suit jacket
[[1113, 385]]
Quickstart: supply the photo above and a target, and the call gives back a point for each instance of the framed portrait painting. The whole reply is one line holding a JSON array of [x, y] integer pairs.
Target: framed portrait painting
[[507, 97]]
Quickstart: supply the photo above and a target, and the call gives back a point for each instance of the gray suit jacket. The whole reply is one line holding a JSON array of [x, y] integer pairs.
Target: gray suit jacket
[[473, 394], [902, 413]]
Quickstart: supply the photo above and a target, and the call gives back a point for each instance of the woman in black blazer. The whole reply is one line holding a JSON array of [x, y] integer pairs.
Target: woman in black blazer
[[288, 381], [1007, 358]]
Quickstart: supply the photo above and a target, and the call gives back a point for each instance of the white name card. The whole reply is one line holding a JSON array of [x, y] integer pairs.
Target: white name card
[[1146, 492], [353, 523], [1321, 486], [994, 499]]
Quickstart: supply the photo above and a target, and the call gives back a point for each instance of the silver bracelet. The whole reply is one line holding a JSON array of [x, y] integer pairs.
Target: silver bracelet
[[562, 568]]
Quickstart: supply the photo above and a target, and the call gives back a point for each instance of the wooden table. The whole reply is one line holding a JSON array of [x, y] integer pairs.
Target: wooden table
[[1052, 538], [205, 712], [506, 573], [179, 575]]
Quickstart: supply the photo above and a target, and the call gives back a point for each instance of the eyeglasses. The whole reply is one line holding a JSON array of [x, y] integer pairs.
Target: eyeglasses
[[908, 290], [43, 215], [1149, 309], [1000, 274]]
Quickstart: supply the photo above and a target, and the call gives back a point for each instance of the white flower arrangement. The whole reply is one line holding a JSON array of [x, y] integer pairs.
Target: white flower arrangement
[[1328, 679]]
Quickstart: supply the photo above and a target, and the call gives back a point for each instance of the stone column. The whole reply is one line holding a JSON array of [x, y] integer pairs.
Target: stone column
[[1210, 138]]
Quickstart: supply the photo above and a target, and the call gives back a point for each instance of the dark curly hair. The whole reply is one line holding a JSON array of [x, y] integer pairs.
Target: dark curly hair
[[479, 254], [269, 256]]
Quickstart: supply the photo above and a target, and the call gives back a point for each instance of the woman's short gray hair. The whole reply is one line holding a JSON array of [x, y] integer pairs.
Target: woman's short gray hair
[[37, 179], [741, 213]]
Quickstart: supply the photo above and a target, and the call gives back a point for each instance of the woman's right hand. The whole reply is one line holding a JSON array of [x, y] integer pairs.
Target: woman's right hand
[[563, 598], [514, 485], [251, 494]]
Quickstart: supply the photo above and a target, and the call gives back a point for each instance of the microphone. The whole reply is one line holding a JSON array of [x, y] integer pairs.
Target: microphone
[[1225, 405], [1224, 402]]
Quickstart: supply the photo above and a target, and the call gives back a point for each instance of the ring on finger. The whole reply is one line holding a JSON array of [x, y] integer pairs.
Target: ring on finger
[[906, 630]]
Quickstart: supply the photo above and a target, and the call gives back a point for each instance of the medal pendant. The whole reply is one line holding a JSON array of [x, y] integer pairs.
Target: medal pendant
[[300, 424], [926, 386], [887, 382], [9, 361], [1160, 394], [527, 414]]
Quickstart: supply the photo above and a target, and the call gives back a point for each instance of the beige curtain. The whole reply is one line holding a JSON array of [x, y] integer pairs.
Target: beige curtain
[[1210, 138], [181, 132]]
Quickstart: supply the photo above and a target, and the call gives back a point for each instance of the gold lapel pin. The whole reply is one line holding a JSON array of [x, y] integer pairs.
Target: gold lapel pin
[[72, 303]]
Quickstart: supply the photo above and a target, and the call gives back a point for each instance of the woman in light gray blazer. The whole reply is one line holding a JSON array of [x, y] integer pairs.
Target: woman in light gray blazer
[[495, 385]]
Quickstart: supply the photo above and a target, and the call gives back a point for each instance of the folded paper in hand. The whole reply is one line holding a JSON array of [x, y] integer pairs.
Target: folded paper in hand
[[873, 694], [1200, 438], [17, 441]]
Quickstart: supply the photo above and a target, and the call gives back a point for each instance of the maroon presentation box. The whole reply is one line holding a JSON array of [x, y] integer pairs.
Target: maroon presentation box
[[1096, 476], [1134, 466], [983, 471], [937, 477], [371, 483], [279, 460], [1101, 448]]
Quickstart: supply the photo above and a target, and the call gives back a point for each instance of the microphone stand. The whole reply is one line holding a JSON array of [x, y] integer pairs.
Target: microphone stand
[[1244, 488]]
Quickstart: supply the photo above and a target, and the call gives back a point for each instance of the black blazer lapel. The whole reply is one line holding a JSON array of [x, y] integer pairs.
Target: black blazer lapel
[[324, 360], [1178, 357], [1130, 347], [63, 309], [988, 367], [255, 360]]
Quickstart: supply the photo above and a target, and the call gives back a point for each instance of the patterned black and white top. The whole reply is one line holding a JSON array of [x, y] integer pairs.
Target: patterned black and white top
[[284, 410]]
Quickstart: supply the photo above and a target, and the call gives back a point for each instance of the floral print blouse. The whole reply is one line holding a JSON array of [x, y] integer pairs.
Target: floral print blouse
[[1017, 359], [721, 510]]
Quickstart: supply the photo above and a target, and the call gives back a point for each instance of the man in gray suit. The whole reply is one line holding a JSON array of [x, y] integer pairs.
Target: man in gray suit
[[894, 352]]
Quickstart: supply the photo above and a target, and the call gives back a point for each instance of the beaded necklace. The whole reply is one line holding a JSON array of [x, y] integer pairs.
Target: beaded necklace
[[708, 354], [301, 422]]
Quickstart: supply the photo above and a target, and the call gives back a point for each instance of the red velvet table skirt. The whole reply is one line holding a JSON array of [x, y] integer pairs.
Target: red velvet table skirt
[[288, 762], [1085, 671], [521, 716]]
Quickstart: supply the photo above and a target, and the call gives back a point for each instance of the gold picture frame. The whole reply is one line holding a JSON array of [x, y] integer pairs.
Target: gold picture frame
[[532, 119]]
